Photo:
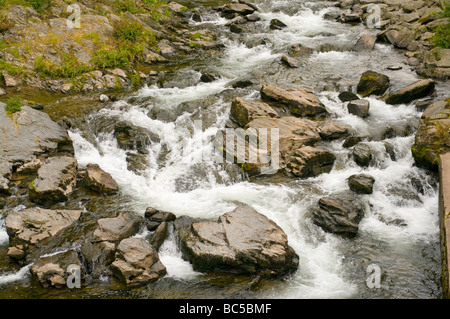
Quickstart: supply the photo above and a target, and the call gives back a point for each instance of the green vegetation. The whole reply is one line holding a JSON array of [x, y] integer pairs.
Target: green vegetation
[[69, 68], [11, 68], [38, 5], [13, 105], [110, 57], [441, 36]]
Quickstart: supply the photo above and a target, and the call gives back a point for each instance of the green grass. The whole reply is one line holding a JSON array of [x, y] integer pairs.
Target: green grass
[[107, 58], [13, 105], [11, 68], [69, 68], [441, 37]]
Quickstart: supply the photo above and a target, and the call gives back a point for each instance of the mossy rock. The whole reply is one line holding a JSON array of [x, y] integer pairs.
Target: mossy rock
[[373, 83]]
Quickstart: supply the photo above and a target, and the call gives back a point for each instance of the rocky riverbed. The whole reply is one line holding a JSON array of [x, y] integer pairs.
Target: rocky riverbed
[[101, 169]]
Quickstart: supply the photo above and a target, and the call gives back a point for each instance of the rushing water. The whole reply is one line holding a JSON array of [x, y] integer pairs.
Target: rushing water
[[400, 230]]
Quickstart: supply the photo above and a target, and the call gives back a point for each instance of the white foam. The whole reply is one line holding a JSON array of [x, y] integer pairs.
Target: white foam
[[4, 238], [9, 277]]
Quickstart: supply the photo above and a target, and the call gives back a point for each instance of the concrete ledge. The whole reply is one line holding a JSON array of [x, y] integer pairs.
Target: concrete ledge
[[444, 214]]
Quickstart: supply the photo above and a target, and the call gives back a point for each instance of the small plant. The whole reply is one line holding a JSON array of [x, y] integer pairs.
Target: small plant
[[13, 105], [111, 58], [69, 68], [441, 36]]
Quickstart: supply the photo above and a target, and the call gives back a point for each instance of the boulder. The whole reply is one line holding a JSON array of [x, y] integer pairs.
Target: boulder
[[372, 83], [309, 162], [298, 50], [332, 131], [27, 135], [137, 262], [400, 38], [432, 137], [100, 181], [241, 241], [362, 154], [361, 183], [156, 217], [52, 271], [97, 257], [4, 186], [159, 236], [55, 181], [348, 96], [131, 137], [36, 228], [115, 229], [244, 111], [365, 43], [276, 24], [359, 108], [339, 214], [352, 141], [237, 8], [10, 81], [290, 62], [300, 101], [412, 92]]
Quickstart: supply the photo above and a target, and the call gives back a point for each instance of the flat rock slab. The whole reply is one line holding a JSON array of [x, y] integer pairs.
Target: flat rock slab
[[412, 92], [241, 241], [115, 229]]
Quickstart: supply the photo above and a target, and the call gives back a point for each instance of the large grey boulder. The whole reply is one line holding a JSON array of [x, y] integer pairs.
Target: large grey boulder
[[300, 101], [241, 241], [338, 214], [137, 262], [37, 228], [27, 135], [115, 229], [55, 181], [412, 92]]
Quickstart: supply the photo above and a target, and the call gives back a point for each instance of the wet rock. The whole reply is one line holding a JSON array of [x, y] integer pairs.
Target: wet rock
[[361, 184], [4, 186], [55, 181], [52, 271], [276, 24], [359, 108], [156, 217], [365, 43], [29, 134], [339, 214], [100, 181], [309, 162], [130, 137], [98, 257], [115, 229], [236, 8], [137, 262], [208, 77], [348, 96], [362, 154], [298, 50], [412, 92], [391, 151], [432, 137], [36, 228], [241, 241], [291, 62], [372, 83], [236, 28], [241, 84], [331, 131], [300, 101], [159, 236], [244, 111], [352, 17]]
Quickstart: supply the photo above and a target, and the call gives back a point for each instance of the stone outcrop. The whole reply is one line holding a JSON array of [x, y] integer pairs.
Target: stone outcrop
[[241, 241], [100, 181], [155, 217], [137, 262], [34, 228], [339, 214], [432, 137], [412, 92], [300, 101]]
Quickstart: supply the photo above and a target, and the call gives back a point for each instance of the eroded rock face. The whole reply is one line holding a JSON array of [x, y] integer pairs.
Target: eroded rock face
[[55, 181], [118, 228], [300, 101], [372, 83], [412, 92], [100, 181], [338, 214], [34, 228], [137, 262], [241, 241]]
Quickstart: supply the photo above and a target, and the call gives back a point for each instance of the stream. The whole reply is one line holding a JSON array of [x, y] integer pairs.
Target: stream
[[400, 230]]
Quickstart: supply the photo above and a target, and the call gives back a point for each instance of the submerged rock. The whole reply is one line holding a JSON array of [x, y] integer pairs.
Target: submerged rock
[[339, 214], [412, 92], [100, 181], [241, 241], [309, 162], [137, 262], [361, 183], [373, 83], [300, 101], [348, 96], [276, 24]]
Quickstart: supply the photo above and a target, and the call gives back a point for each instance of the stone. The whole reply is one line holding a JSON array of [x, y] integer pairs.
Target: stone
[[104, 98], [298, 50], [237, 8], [310, 162], [97, 258], [373, 83], [156, 217], [9, 80], [300, 101], [365, 43], [362, 154], [359, 108], [361, 183], [244, 111], [241, 241], [66, 88], [4, 186], [352, 141], [332, 131], [208, 78], [117, 228], [51, 271], [35, 228], [339, 214], [348, 96], [159, 236], [291, 62], [55, 181], [400, 38], [276, 24], [432, 137], [100, 181], [131, 137], [137, 262], [234, 28], [29, 134], [2, 92], [412, 92], [352, 17]]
